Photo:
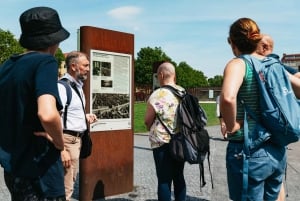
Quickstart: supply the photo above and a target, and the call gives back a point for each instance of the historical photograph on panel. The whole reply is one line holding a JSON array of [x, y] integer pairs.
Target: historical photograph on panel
[[105, 69], [111, 106], [101, 68], [111, 90], [106, 83]]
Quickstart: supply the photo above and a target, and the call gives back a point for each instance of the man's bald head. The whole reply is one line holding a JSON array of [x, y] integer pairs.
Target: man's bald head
[[166, 68], [166, 73], [265, 45]]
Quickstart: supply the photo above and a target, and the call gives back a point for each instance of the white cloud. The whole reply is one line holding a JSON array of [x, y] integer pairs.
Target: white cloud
[[125, 12]]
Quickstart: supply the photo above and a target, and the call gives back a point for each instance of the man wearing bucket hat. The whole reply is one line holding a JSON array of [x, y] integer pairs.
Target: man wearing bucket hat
[[31, 138]]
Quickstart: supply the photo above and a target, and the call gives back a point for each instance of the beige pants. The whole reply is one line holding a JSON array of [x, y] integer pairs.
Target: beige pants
[[72, 145]]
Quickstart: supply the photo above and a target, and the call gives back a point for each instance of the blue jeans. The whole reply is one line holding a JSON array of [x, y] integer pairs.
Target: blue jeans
[[266, 170], [168, 170]]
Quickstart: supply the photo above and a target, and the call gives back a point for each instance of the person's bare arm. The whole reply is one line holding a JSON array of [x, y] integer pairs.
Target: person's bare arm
[[295, 81], [297, 75], [149, 116], [233, 78], [50, 119]]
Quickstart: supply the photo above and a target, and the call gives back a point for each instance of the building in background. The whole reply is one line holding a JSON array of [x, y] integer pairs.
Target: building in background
[[292, 60]]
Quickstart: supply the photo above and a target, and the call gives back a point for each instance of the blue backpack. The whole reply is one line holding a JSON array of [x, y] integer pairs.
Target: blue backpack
[[279, 106]]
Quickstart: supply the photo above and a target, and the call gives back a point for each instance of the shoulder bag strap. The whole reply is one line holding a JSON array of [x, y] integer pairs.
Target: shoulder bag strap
[[73, 85], [164, 125]]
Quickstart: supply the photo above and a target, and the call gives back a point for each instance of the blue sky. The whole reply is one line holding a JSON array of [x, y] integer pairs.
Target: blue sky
[[193, 31]]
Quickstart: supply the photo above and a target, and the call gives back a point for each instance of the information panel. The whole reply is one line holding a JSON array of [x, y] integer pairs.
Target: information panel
[[110, 90]]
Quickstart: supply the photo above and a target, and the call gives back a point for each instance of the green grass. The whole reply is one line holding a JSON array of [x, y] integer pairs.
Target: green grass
[[139, 114], [210, 109], [140, 109]]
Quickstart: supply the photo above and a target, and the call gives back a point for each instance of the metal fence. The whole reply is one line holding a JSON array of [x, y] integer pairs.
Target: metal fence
[[202, 93]]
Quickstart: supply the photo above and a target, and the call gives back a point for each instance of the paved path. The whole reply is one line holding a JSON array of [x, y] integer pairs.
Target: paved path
[[145, 178]]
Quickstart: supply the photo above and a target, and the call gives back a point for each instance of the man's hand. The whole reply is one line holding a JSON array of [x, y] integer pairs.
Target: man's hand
[[66, 158], [91, 118]]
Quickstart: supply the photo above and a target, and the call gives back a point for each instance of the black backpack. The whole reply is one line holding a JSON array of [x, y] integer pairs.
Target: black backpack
[[66, 83], [191, 142]]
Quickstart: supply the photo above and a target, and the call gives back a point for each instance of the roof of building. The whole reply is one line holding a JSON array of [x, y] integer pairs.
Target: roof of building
[[290, 58]]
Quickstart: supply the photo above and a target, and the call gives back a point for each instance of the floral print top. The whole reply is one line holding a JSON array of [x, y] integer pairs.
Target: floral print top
[[165, 104]]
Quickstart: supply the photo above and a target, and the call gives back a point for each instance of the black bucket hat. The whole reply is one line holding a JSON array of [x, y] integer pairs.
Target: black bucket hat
[[41, 28]]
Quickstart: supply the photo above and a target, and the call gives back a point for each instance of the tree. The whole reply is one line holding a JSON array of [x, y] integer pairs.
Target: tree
[[146, 57], [59, 56], [8, 45], [216, 81], [188, 77]]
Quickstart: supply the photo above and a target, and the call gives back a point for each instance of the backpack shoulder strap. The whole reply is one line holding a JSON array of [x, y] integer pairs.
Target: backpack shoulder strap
[[66, 83], [254, 64], [259, 64], [175, 91]]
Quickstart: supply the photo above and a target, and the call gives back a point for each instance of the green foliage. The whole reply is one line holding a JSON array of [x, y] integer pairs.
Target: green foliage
[[8, 45], [216, 81], [140, 109], [210, 109], [188, 77], [59, 56], [143, 65], [146, 57]]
